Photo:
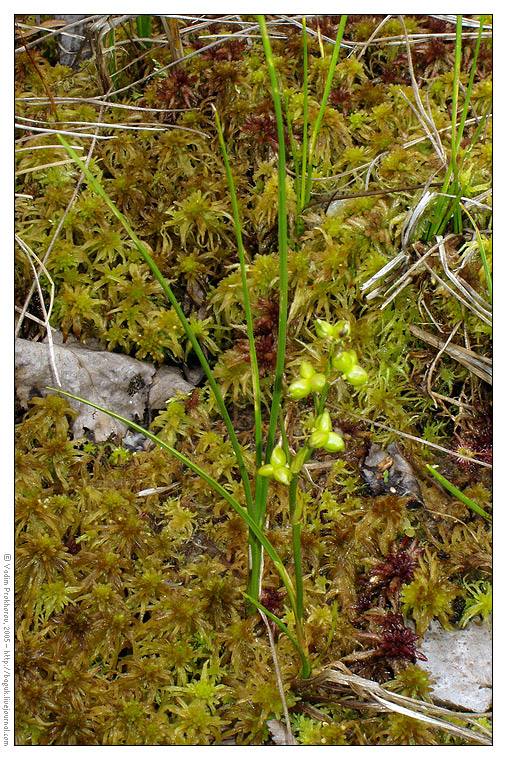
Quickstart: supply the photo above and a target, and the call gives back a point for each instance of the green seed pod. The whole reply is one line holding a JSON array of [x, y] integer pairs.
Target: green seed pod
[[298, 461], [306, 370], [343, 362], [278, 458], [357, 376], [266, 471], [334, 442], [323, 422], [299, 388], [283, 475], [318, 439], [317, 382], [342, 329], [324, 329]]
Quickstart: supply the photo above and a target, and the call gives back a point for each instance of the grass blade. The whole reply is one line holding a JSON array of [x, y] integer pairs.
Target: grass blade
[[304, 659], [327, 89], [246, 297], [456, 492], [269, 548], [188, 330]]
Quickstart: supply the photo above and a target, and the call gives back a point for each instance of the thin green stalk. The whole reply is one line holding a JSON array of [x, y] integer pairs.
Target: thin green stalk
[[282, 243], [301, 648], [245, 516], [295, 516], [305, 114], [298, 569], [456, 492], [454, 117], [470, 83], [487, 273], [442, 217], [293, 147], [478, 131], [188, 330], [246, 298], [143, 24], [327, 89], [113, 66], [455, 97], [255, 548], [261, 493], [296, 526]]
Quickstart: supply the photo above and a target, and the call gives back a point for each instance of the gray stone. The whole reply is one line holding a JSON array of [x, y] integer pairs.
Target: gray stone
[[460, 663], [112, 381], [73, 44], [167, 382]]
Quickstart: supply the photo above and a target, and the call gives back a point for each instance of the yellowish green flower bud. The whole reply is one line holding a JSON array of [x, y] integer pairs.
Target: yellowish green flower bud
[[299, 388], [357, 376], [318, 439], [306, 370], [298, 461], [334, 443], [324, 329], [342, 329], [323, 422], [283, 475], [278, 458], [343, 362], [317, 382], [266, 471]]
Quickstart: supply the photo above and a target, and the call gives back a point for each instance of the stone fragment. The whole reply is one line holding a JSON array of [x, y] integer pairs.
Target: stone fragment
[[460, 663], [167, 382], [113, 381]]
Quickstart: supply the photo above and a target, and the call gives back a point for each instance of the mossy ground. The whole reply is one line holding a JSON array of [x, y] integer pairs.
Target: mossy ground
[[131, 625]]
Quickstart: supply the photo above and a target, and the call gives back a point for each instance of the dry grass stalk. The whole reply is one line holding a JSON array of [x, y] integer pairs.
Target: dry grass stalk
[[337, 678]]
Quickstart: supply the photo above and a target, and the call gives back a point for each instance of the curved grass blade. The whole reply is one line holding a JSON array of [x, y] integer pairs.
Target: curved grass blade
[[327, 89], [188, 330], [269, 548]]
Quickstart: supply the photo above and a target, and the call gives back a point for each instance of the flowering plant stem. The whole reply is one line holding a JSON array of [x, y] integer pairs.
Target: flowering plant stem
[[245, 516], [255, 546], [327, 89], [262, 492]]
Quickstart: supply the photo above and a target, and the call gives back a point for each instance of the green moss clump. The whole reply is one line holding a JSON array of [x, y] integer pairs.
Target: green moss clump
[[130, 622]]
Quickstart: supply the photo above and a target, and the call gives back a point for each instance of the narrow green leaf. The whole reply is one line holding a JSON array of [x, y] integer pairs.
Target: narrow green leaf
[[186, 326], [456, 492]]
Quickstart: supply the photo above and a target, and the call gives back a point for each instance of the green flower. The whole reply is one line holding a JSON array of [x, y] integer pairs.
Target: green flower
[[308, 381], [277, 468], [346, 363], [338, 331], [357, 376], [324, 437]]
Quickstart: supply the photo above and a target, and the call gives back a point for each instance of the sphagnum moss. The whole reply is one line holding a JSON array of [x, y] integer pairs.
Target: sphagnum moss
[[104, 581]]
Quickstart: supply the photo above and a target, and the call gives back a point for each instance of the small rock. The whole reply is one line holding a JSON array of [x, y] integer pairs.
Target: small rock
[[389, 471], [134, 441], [460, 663], [167, 382], [112, 381]]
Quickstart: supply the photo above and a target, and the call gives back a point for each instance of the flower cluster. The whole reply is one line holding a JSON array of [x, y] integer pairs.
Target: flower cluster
[[277, 467], [323, 436], [338, 331], [309, 380], [346, 363]]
